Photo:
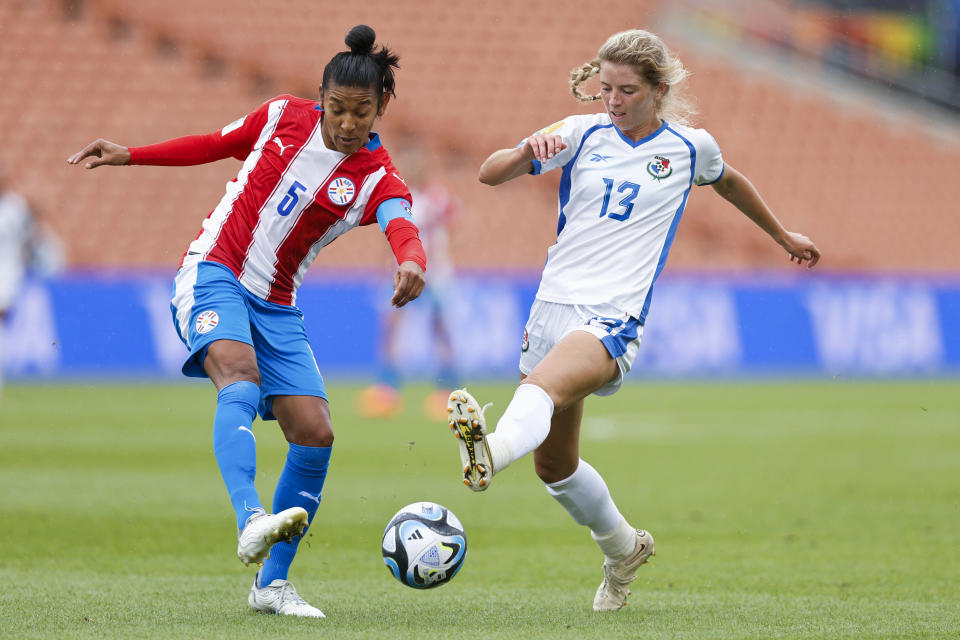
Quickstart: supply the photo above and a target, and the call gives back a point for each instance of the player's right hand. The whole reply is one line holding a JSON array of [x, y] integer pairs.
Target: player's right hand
[[546, 146], [801, 248], [103, 152], [408, 283]]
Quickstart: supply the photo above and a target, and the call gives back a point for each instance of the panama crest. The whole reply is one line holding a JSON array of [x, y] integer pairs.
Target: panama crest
[[341, 191], [659, 168], [207, 321]]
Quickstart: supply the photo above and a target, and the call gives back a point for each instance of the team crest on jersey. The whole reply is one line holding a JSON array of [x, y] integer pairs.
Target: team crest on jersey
[[207, 321], [659, 168], [525, 345], [341, 191]]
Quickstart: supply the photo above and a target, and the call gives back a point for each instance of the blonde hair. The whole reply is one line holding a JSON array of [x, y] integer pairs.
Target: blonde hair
[[653, 62]]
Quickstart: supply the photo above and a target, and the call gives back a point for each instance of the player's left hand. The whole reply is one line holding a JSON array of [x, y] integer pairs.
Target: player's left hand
[[801, 248], [408, 283]]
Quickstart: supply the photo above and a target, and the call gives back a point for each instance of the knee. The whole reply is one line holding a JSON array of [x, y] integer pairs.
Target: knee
[[551, 469], [312, 433], [227, 361], [310, 429], [560, 400], [223, 372], [320, 437]]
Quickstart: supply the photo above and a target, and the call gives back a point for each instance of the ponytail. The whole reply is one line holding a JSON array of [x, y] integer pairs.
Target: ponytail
[[580, 75]]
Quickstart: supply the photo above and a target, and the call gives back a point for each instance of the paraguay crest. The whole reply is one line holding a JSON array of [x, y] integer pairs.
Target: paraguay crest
[[207, 321], [341, 191], [659, 168]]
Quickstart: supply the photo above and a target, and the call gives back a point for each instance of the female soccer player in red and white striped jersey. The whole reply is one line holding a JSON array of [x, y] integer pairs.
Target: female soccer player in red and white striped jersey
[[311, 172]]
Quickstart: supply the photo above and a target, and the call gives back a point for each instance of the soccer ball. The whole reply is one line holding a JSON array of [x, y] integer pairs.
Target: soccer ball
[[424, 545]]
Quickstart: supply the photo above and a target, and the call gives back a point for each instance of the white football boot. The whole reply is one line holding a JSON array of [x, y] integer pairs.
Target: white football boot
[[465, 417], [263, 530], [613, 591], [280, 598]]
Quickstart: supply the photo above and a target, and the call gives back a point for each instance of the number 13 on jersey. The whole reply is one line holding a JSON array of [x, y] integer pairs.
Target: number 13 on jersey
[[631, 189]]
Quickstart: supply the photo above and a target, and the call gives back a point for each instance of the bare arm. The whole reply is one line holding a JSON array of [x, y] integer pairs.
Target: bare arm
[[740, 192], [507, 164]]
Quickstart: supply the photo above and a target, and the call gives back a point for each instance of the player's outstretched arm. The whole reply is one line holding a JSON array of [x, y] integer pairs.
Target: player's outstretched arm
[[104, 152], [507, 164], [740, 192]]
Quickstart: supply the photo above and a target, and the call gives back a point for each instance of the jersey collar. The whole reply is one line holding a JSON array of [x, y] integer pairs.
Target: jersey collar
[[374, 142], [635, 144]]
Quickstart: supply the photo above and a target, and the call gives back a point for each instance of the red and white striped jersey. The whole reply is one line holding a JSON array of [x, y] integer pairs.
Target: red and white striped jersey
[[292, 197]]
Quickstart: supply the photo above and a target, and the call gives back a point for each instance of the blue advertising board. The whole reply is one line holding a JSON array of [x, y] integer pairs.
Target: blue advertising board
[[118, 326]]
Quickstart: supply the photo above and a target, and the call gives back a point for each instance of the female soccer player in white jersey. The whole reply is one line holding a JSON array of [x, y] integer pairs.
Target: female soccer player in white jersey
[[311, 171], [626, 175]]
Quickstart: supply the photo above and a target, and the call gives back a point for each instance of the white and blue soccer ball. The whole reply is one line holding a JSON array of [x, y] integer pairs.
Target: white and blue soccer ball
[[424, 545]]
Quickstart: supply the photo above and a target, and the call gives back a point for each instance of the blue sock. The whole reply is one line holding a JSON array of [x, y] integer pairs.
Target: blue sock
[[446, 378], [235, 447], [389, 376], [300, 485]]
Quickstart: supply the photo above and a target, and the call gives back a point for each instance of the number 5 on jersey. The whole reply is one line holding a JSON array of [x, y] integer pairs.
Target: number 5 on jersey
[[290, 200], [626, 203]]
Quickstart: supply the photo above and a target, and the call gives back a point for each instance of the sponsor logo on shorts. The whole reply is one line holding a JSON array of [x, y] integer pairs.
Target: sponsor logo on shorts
[[207, 321], [525, 345], [341, 191]]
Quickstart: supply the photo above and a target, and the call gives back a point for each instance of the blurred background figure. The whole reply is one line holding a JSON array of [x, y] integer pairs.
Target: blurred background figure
[[435, 211], [25, 243]]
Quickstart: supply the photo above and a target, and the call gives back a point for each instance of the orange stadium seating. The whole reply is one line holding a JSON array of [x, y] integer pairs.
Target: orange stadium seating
[[873, 192]]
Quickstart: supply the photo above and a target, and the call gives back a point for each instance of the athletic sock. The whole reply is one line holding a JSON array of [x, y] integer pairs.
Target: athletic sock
[[618, 543], [235, 447], [586, 498], [522, 428], [300, 485]]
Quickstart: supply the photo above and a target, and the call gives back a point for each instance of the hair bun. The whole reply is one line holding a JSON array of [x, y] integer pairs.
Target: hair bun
[[361, 39]]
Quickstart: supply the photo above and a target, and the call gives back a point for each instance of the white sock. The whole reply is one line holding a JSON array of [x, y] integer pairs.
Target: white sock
[[619, 543], [524, 425], [586, 498]]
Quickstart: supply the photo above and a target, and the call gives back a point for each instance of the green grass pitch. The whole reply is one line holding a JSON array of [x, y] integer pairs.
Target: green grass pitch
[[781, 510]]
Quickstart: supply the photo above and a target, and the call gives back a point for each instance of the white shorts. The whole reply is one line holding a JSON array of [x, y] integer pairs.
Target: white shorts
[[550, 322]]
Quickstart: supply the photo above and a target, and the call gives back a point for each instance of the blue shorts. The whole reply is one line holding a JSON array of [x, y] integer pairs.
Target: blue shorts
[[210, 304]]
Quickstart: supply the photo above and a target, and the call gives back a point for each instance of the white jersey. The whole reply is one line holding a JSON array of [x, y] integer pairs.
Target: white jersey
[[619, 205], [16, 225]]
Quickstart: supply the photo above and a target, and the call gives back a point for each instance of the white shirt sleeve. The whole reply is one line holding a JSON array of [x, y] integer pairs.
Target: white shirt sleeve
[[709, 165], [571, 130]]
